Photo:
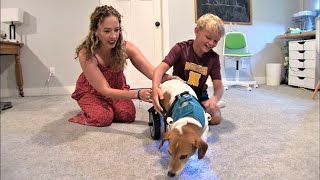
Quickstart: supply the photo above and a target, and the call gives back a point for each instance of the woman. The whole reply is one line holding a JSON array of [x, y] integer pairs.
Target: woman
[[101, 90]]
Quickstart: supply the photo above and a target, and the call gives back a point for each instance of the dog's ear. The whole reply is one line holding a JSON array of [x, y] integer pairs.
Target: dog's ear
[[202, 147], [164, 138]]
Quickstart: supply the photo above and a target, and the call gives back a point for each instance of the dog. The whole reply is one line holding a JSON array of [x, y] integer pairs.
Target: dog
[[188, 123]]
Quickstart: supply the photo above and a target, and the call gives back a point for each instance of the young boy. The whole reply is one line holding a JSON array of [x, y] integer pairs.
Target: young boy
[[193, 61]]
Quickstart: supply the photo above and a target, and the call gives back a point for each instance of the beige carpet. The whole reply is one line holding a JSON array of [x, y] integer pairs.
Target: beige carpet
[[268, 133]]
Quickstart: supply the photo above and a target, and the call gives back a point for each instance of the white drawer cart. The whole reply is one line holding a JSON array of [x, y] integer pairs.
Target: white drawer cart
[[303, 63]]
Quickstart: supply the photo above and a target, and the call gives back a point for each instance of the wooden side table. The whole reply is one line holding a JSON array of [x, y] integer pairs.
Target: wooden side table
[[13, 48]]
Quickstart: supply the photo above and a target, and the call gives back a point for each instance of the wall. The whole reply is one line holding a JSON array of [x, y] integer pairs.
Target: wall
[[53, 29], [50, 33], [310, 5]]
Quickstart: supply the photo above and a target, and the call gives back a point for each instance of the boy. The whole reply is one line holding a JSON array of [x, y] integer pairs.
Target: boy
[[193, 61]]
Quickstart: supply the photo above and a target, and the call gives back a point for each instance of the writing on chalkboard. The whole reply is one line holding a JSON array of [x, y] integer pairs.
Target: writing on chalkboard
[[234, 11]]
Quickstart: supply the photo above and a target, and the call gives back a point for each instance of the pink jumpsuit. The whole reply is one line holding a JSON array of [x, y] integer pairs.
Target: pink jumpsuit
[[98, 110]]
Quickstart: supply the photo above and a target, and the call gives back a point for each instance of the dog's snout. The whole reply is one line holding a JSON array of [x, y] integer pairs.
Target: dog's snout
[[171, 174]]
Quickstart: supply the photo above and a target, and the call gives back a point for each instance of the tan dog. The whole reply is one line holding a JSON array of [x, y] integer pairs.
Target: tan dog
[[186, 134]]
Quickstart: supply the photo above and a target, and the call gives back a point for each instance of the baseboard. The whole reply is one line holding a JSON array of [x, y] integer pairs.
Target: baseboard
[[67, 90], [259, 80], [140, 84], [9, 92], [44, 91]]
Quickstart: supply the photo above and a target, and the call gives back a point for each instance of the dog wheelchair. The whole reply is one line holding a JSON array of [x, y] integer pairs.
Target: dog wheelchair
[[158, 123]]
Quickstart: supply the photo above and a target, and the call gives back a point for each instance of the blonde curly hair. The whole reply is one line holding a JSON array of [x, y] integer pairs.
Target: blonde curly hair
[[211, 23], [92, 42]]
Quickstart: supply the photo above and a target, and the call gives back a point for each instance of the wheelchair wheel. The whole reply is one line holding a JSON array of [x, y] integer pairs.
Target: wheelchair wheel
[[154, 123]]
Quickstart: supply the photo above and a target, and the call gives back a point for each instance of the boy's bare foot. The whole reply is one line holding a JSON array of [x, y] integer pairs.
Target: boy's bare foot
[[216, 117], [221, 104]]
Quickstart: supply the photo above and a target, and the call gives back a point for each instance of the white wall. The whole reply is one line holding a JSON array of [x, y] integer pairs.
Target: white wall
[[310, 5], [50, 33]]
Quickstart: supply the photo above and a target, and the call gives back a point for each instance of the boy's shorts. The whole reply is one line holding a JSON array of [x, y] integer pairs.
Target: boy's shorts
[[203, 96]]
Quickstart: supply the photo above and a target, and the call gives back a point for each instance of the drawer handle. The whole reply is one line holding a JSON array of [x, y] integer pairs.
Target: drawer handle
[[301, 69], [301, 42], [301, 77], [301, 60], [302, 51]]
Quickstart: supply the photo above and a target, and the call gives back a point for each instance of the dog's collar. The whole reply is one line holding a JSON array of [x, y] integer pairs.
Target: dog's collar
[[186, 105]]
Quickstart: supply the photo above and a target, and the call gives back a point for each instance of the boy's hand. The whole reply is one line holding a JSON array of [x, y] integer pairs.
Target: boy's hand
[[157, 95]]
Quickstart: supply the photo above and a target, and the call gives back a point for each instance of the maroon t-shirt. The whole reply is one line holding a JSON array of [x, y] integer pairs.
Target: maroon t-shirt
[[192, 68]]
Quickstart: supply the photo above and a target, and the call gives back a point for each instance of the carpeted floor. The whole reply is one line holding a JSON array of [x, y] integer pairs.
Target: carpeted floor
[[268, 133]]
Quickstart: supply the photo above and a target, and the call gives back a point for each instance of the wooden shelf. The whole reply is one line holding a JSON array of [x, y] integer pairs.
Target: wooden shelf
[[302, 35]]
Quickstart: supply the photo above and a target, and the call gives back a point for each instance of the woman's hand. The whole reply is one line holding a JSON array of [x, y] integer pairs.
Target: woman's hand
[[145, 95]]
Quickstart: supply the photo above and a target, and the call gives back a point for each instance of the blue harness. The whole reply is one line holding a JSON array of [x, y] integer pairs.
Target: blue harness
[[185, 105]]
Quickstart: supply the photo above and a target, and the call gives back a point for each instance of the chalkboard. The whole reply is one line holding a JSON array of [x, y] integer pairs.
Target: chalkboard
[[230, 11]]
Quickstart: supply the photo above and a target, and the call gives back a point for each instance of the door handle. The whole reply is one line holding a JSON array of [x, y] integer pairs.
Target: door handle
[[157, 24]]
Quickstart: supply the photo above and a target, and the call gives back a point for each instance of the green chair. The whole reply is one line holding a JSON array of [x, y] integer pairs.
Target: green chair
[[235, 47]]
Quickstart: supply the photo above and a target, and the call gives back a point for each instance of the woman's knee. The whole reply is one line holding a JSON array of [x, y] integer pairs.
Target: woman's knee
[[101, 118], [125, 115], [126, 112]]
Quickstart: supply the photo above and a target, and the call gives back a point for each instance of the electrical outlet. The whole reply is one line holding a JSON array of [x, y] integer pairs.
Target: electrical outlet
[[52, 71]]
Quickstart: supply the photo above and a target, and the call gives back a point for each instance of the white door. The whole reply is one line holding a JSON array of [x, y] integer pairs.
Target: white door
[[138, 21]]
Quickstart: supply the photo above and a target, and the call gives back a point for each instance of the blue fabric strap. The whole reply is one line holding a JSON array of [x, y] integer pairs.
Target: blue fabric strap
[[187, 105]]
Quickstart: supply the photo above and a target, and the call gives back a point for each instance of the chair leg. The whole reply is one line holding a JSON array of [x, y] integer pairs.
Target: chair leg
[[237, 79], [316, 90]]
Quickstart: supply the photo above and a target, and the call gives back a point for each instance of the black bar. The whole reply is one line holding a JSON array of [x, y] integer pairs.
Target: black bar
[[12, 28], [237, 65]]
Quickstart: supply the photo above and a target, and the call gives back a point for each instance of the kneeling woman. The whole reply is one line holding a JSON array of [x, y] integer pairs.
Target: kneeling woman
[[101, 89]]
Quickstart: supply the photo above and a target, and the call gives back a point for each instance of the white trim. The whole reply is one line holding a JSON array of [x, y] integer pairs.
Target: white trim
[[165, 28], [104, 2], [67, 90], [158, 47], [9, 92], [147, 83], [259, 80]]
